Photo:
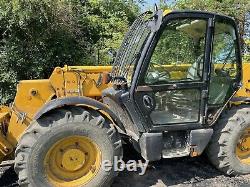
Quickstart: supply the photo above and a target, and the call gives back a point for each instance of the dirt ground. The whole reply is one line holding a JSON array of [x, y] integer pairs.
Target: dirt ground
[[167, 172], [181, 172]]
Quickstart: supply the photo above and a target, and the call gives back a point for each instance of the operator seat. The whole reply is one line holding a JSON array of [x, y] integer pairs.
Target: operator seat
[[183, 103], [220, 83], [195, 71]]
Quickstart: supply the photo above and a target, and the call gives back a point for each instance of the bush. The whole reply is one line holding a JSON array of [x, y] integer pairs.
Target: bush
[[38, 35]]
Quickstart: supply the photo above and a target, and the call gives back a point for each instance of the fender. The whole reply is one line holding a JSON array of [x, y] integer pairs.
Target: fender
[[84, 101]]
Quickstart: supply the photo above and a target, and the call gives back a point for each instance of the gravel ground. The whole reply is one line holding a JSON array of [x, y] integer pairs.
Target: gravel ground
[[167, 172], [181, 172]]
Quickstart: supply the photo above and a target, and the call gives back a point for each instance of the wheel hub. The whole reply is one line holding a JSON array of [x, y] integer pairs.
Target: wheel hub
[[73, 159], [243, 147]]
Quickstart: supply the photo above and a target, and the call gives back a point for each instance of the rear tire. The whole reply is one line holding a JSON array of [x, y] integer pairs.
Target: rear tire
[[44, 134], [229, 129]]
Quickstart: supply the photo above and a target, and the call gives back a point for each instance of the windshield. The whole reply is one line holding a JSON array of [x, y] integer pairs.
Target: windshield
[[130, 49]]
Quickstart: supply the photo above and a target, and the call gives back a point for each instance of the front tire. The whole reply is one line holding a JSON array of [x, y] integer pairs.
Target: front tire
[[227, 151], [67, 148]]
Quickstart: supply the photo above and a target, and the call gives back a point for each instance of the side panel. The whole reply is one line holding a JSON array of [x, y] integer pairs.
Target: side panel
[[113, 98], [31, 96], [245, 90], [79, 81]]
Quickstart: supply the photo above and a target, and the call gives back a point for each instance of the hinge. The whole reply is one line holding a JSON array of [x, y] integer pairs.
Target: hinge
[[211, 22], [204, 94]]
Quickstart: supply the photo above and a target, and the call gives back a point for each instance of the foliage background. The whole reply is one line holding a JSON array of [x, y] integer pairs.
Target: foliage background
[[239, 9], [38, 35]]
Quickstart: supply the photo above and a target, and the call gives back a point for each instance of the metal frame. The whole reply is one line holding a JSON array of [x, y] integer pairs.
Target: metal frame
[[204, 85], [142, 68]]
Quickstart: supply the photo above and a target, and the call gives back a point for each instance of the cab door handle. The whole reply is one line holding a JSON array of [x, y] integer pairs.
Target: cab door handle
[[148, 101]]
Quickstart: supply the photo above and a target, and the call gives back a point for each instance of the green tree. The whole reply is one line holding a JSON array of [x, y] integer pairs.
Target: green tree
[[234, 8], [38, 35], [239, 9]]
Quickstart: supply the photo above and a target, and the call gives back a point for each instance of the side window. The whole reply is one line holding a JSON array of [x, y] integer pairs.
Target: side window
[[179, 53], [224, 69], [224, 58]]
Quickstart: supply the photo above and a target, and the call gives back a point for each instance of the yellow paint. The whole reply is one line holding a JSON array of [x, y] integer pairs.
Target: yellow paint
[[3, 116], [5, 147], [4, 109], [16, 128], [57, 82], [79, 80], [166, 12], [72, 161], [31, 96], [245, 90], [243, 147], [89, 69]]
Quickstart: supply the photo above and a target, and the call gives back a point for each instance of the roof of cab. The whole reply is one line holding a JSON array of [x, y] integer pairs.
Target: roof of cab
[[168, 11]]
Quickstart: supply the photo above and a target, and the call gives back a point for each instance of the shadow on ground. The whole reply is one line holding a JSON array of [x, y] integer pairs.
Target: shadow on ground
[[178, 172], [8, 177]]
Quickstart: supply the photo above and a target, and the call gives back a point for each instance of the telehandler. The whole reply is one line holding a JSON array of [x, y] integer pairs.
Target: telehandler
[[177, 88]]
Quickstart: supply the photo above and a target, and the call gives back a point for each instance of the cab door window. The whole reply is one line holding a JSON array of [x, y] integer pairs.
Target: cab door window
[[178, 58], [223, 68]]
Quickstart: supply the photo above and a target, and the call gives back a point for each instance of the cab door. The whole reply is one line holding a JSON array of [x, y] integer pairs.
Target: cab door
[[171, 88]]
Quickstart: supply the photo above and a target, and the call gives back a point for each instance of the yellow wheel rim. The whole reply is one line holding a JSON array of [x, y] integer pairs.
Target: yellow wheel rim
[[72, 161], [243, 147]]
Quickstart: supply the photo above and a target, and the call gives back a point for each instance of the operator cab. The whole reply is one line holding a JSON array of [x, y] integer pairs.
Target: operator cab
[[177, 70]]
